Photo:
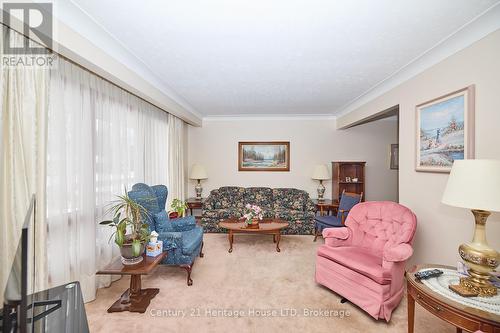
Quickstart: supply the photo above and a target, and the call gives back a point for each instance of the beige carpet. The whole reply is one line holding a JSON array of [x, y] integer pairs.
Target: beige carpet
[[254, 279]]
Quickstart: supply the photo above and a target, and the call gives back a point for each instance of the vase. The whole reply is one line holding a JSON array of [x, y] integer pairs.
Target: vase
[[128, 257]]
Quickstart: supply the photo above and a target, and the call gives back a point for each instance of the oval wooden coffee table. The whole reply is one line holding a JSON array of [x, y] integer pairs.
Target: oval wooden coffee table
[[266, 227]]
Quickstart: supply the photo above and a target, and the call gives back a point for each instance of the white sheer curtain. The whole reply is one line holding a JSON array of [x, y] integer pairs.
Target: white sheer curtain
[[156, 142], [23, 117], [176, 161], [102, 140], [70, 179]]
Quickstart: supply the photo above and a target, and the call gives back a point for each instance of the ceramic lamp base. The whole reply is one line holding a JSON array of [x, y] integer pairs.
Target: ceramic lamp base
[[321, 191], [468, 288], [481, 260], [198, 189]]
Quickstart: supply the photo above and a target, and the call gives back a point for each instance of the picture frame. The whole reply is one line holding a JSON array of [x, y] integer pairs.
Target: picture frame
[[264, 156], [394, 157], [445, 130]]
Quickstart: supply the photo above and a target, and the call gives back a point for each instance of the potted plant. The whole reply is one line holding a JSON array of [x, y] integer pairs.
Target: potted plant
[[253, 214], [178, 209], [131, 233]]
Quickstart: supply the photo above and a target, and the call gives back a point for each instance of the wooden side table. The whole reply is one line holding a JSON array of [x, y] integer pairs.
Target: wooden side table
[[326, 206], [459, 315], [194, 203], [134, 299]]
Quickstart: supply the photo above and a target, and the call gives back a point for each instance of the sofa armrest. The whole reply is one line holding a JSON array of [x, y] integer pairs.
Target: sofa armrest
[[171, 240], [337, 236], [310, 206], [398, 253], [209, 202], [183, 223]]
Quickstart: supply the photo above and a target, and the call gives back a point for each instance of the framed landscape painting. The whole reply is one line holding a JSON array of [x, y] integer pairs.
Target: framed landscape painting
[[264, 156], [445, 131]]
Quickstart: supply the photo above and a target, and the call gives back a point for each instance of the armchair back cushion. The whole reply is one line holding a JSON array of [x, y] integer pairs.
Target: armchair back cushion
[[347, 201], [376, 226], [146, 197]]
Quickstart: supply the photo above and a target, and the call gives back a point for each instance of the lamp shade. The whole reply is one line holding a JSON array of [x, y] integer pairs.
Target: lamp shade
[[474, 184], [320, 172], [198, 172]]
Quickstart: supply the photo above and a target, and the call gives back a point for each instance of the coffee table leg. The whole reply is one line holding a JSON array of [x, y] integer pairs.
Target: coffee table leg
[[230, 236], [278, 238]]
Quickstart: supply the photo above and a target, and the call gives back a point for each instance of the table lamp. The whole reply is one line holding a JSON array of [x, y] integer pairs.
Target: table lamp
[[475, 184], [321, 173], [198, 172]]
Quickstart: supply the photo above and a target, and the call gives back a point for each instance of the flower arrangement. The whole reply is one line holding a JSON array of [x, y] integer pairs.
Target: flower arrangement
[[252, 212]]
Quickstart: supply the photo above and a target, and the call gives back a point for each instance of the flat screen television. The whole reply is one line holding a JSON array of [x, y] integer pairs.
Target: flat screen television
[[19, 309], [16, 309]]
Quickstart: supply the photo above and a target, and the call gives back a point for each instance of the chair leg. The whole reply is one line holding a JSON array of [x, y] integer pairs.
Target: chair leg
[[201, 251], [188, 269], [316, 234]]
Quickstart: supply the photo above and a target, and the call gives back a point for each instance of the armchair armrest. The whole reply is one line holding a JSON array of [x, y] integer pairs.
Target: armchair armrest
[[343, 214], [171, 240], [398, 253], [183, 223], [337, 236]]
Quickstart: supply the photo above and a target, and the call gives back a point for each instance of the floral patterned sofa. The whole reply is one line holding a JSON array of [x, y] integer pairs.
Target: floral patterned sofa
[[289, 204]]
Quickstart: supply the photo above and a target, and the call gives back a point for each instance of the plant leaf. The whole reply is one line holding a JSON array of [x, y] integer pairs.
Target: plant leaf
[[119, 237], [136, 247]]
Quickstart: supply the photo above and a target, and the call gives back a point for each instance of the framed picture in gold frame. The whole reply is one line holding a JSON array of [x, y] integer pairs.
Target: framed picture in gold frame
[[445, 131], [264, 156]]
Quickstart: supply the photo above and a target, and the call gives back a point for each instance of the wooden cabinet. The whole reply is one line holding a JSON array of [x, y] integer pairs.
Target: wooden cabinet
[[348, 176]]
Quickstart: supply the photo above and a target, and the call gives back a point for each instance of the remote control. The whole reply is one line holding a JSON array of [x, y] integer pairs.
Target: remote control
[[428, 274]]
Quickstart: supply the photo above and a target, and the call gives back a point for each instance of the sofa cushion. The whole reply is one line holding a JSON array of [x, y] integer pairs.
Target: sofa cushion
[[260, 196], [222, 213], [361, 260], [289, 214], [229, 197], [191, 240], [289, 198]]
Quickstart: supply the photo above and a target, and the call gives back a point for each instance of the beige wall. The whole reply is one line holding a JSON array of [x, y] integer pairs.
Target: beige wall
[[442, 228], [215, 145]]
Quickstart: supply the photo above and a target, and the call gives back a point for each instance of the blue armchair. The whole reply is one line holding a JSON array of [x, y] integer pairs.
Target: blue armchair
[[182, 238], [347, 201]]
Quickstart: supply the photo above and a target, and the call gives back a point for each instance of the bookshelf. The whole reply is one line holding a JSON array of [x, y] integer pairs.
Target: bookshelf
[[344, 174]]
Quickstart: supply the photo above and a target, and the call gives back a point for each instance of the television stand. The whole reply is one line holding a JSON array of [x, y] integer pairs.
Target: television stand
[[58, 309]]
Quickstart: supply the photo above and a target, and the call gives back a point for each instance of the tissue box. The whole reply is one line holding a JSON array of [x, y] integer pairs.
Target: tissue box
[[154, 249]]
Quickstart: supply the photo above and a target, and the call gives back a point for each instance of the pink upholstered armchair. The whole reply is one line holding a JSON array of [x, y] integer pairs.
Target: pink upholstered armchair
[[365, 261]]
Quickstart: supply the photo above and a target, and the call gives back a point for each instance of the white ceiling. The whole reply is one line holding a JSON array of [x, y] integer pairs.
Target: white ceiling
[[263, 57]]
